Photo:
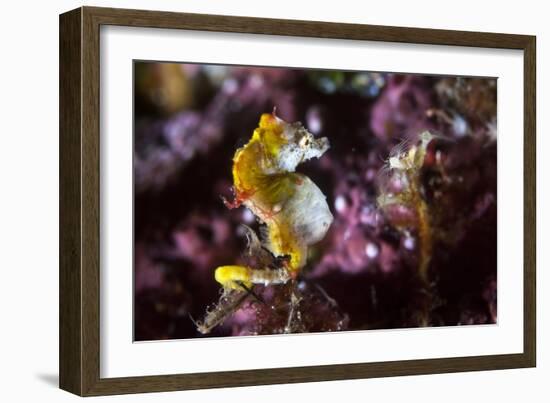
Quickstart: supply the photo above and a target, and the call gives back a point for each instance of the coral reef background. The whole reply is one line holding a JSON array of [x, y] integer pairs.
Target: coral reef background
[[190, 119]]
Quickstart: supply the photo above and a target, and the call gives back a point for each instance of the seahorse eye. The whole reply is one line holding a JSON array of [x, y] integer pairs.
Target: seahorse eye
[[305, 141]]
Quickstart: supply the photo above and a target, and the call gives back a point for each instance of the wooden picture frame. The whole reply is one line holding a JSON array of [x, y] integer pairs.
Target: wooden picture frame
[[79, 201]]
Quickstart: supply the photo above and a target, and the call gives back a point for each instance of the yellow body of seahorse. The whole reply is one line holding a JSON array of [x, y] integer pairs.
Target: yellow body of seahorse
[[291, 206]]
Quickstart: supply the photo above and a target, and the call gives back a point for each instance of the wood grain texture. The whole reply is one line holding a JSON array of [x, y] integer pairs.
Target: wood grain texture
[[80, 200], [70, 274], [530, 203], [90, 202]]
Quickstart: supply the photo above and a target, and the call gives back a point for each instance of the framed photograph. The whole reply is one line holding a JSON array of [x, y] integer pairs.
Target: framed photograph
[[249, 201]]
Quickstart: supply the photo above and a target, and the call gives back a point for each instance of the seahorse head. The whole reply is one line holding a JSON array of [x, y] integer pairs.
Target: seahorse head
[[288, 144]]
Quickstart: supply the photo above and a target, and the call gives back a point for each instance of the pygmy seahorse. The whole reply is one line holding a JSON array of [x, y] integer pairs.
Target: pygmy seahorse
[[404, 166], [292, 207]]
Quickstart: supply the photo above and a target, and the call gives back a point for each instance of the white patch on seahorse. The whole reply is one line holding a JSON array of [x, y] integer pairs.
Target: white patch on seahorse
[[310, 212], [301, 146], [308, 206]]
